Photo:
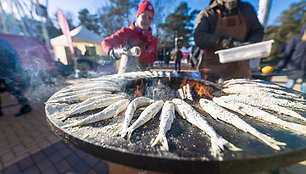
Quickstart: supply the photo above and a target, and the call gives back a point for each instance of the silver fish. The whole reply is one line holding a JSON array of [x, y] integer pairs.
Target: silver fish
[[253, 87], [97, 104], [277, 101], [250, 91], [109, 112], [219, 113], [77, 97], [145, 116], [218, 143], [129, 113], [87, 90], [249, 82], [79, 86], [265, 105], [244, 109], [166, 119]]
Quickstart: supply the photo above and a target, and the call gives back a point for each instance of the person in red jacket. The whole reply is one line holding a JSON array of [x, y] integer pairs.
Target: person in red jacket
[[139, 34]]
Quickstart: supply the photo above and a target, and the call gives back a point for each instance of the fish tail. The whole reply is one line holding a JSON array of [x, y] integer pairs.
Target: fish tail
[[271, 142], [78, 123], [65, 117], [232, 147], [117, 132], [129, 134], [163, 140], [165, 143], [123, 133]]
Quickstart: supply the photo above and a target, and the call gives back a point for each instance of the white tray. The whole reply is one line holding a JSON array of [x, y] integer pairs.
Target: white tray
[[246, 52]]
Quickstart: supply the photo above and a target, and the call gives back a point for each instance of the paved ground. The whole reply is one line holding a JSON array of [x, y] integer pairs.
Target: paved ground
[[27, 145]]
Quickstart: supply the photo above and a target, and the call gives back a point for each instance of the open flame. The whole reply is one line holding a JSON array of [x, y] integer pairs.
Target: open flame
[[158, 83], [197, 87], [204, 70], [138, 88], [201, 91]]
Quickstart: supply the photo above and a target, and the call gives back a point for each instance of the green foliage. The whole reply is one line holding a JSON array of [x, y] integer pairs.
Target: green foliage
[[177, 25], [116, 15], [291, 21], [52, 30], [89, 21]]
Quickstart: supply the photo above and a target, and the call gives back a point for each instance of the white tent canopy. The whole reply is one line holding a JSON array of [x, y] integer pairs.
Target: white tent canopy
[[79, 34]]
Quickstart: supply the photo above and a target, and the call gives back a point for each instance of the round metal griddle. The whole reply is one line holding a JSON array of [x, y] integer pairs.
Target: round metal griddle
[[189, 147]]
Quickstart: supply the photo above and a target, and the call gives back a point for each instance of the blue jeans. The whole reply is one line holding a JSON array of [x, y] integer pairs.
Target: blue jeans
[[291, 82]]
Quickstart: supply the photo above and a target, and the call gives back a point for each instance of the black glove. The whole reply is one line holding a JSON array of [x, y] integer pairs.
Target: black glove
[[276, 69], [236, 43], [229, 42], [112, 55], [126, 48]]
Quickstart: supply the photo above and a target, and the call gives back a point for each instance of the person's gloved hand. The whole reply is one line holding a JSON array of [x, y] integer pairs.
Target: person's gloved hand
[[229, 42], [113, 55], [276, 68], [236, 43], [126, 47]]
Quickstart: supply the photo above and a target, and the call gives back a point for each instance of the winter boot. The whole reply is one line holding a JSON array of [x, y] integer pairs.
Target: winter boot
[[24, 109]]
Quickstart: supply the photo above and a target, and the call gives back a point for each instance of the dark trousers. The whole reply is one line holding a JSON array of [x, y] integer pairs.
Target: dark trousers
[[11, 87], [177, 65]]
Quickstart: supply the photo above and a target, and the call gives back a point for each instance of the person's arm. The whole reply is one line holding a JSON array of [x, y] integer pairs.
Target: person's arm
[[203, 33], [114, 40], [149, 55], [255, 31], [287, 55]]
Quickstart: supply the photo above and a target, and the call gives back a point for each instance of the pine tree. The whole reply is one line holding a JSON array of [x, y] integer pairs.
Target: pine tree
[[178, 25], [291, 21], [89, 21], [116, 15]]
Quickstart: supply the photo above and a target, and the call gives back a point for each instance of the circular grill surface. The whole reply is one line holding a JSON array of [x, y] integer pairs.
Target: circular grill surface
[[189, 147]]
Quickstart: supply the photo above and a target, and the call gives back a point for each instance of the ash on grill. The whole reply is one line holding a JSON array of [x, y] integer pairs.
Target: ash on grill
[[207, 137]]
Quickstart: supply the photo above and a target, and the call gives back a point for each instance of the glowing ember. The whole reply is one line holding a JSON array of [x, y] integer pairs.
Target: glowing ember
[[138, 88], [197, 87]]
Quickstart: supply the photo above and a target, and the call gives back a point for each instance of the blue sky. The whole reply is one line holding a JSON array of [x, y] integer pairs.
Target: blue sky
[[74, 6]]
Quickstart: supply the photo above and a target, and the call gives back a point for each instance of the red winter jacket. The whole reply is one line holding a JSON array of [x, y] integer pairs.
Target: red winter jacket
[[133, 36]]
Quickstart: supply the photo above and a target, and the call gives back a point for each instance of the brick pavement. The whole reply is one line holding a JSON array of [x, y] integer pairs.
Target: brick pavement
[[29, 146]]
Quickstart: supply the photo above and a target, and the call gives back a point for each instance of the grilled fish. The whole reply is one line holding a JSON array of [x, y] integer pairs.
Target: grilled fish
[[109, 112], [276, 101], [260, 93], [83, 91], [217, 112], [77, 97], [97, 104], [253, 87], [244, 109], [145, 116], [166, 119], [248, 82], [129, 113], [218, 143], [265, 105]]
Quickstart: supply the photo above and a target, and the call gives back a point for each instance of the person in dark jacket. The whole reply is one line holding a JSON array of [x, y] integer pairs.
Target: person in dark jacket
[[10, 68], [167, 58], [295, 60], [139, 33], [178, 55], [225, 24]]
